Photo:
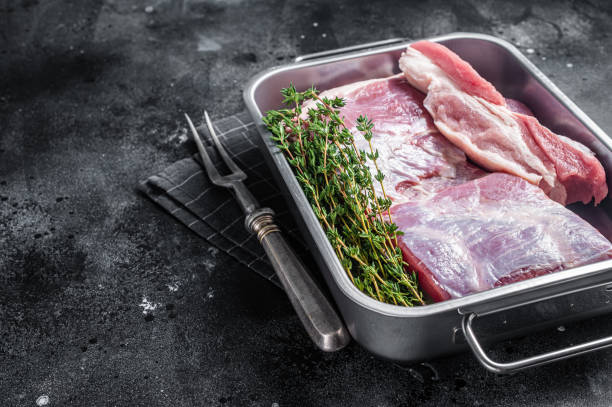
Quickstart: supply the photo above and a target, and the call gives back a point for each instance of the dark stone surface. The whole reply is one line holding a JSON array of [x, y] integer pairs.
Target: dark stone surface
[[91, 96]]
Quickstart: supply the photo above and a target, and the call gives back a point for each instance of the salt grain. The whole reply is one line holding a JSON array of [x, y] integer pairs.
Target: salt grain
[[149, 9], [569, 65], [147, 305], [315, 24], [530, 50], [206, 44], [42, 400], [323, 35], [561, 328]]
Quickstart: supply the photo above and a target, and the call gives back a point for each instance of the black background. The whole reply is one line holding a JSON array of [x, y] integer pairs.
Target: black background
[[91, 102]]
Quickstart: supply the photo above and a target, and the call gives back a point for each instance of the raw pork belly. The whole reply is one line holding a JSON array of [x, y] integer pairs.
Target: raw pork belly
[[466, 231], [474, 116], [489, 232], [415, 158]]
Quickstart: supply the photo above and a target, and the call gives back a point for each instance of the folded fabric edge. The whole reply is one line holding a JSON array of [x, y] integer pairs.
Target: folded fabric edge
[[187, 218]]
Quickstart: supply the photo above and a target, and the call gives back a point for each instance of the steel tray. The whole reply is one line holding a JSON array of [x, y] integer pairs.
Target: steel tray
[[421, 333]]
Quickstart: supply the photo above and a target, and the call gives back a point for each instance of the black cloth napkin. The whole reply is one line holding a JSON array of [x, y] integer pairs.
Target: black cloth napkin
[[184, 190]]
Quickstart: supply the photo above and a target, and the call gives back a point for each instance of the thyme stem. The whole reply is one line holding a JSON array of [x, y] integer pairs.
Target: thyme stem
[[337, 180]]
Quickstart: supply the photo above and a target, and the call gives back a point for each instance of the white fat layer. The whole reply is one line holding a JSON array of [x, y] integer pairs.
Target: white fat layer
[[422, 73]]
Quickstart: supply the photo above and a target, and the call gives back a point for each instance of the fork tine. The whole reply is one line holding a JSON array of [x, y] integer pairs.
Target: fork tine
[[228, 161], [208, 164]]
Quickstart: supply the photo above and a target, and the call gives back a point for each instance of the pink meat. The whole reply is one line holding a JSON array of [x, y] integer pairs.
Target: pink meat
[[462, 73], [499, 136], [518, 107], [577, 168], [415, 158], [464, 231], [489, 232]]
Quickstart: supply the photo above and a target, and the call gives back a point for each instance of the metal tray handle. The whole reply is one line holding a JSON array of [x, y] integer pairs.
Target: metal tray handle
[[352, 48], [512, 367]]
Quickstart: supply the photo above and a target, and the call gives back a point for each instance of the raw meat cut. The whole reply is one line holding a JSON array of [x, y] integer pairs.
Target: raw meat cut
[[499, 136], [464, 230], [415, 158], [489, 232]]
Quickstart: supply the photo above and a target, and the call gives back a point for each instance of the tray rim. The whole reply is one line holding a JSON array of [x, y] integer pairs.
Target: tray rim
[[472, 301]]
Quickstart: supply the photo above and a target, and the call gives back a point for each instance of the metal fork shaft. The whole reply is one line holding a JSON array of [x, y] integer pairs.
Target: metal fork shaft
[[247, 201], [319, 318], [314, 310]]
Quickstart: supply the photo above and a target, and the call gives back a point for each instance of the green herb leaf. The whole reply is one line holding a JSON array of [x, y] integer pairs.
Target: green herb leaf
[[337, 180]]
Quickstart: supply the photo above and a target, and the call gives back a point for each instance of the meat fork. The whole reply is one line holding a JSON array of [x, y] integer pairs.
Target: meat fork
[[315, 311]]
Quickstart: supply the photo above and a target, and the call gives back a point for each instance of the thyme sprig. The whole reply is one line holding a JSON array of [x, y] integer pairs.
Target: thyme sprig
[[339, 185]]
